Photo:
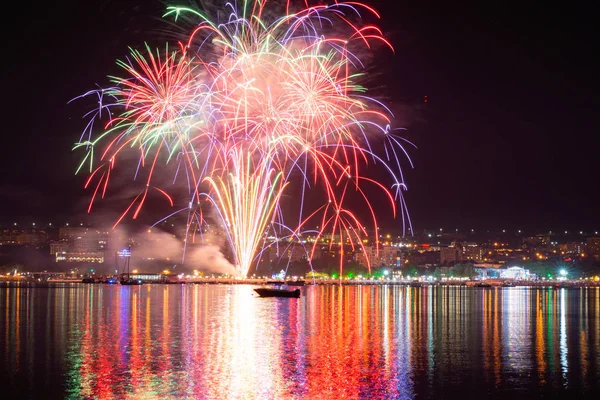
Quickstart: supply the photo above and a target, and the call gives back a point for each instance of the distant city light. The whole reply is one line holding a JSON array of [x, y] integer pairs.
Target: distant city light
[[563, 272]]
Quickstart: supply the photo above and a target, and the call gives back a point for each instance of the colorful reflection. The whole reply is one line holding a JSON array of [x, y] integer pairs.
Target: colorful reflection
[[218, 341]]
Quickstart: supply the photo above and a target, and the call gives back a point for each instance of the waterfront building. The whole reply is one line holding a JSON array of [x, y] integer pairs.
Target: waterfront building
[[80, 244], [515, 273]]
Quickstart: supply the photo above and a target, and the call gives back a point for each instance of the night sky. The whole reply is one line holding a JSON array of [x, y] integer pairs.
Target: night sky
[[507, 138]]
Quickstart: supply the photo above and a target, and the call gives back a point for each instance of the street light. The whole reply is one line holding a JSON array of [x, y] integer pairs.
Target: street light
[[563, 272]]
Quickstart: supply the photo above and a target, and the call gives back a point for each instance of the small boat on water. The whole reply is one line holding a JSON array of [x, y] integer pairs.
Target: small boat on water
[[277, 292], [131, 281]]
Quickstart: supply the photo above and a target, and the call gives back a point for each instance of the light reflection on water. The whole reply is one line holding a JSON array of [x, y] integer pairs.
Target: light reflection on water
[[218, 341]]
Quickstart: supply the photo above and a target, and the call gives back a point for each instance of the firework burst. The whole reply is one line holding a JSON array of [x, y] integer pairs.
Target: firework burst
[[242, 105]]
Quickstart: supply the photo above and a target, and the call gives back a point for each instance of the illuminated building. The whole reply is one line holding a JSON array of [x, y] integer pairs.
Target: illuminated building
[[72, 256], [32, 237], [516, 273], [450, 254], [573, 248], [148, 277], [388, 256], [593, 247], [471, 251], [461, 251], [78, 244], [540, 241], [59, 247]]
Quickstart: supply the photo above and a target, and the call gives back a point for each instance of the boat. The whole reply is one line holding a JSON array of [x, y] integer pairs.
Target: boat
[[88, 280], [130, 281], [126, 278], [277, 292]]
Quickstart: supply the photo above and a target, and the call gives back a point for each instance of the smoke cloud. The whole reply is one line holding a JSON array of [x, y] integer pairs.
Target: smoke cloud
[[158, 249]]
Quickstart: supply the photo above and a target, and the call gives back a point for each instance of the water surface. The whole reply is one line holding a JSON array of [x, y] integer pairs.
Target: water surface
[[355, 342]]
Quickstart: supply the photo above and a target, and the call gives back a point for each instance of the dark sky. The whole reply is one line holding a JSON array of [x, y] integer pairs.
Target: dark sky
[[506, 140]]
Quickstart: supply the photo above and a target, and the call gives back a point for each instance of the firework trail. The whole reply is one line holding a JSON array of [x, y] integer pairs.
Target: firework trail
[[246, 105]]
